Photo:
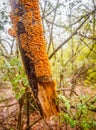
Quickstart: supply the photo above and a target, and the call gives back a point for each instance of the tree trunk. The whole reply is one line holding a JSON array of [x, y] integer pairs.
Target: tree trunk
[[25, 16]]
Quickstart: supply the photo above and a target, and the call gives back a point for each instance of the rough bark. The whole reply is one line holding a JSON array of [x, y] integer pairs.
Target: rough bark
[[25, 16]]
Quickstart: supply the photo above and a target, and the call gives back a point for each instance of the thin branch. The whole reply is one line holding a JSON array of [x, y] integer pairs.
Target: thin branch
[[10, 105], [11, 52], [86, 44], [63, 43], [34, 123], [4, 48], [45, 15], [85, 36], [74, 33], [51, 32], [63, 26], [94, 3], [67, 89], [6, 41]]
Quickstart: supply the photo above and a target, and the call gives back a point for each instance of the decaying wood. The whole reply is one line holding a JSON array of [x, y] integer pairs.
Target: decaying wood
[[26, 19]]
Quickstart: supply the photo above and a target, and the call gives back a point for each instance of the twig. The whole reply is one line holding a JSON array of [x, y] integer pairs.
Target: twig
[[67, 89], [51, 32], [9, 105], [34, 123], [28, 105], [88, 37]]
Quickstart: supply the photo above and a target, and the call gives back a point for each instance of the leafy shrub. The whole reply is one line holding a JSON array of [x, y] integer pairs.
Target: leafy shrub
[[13, 71], [78, 113]]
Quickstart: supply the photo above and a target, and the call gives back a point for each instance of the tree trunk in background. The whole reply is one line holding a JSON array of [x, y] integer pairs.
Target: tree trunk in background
[[25, 16]]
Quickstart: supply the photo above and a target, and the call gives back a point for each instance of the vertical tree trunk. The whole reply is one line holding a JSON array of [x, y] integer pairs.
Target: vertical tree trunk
[[25, 16]]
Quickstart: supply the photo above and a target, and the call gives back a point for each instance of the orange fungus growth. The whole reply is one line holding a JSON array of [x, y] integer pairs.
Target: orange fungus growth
[[12, 32], [26, 20], [31, 38]]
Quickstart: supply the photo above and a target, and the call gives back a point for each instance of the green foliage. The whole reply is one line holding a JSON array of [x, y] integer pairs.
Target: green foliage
[[65, 118], [78, 115], [13, 71], [91, 77], [65, 101]]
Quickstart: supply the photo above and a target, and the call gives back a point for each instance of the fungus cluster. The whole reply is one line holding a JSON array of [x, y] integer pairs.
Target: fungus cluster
[[27, 23]]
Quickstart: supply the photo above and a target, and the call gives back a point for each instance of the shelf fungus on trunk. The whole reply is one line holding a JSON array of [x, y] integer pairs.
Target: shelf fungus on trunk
[[26, 19]]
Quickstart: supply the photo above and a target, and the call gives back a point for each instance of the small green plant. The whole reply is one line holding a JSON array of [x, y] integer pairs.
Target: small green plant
[[13, 71], [79, 113]]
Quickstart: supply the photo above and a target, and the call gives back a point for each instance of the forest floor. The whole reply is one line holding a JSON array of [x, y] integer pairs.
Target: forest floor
[[9, 109]]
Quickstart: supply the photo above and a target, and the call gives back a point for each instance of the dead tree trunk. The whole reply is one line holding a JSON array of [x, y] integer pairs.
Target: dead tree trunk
[[25, 16]]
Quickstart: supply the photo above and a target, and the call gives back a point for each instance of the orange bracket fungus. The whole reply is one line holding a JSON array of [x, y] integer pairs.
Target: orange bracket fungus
[[26, 19]]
